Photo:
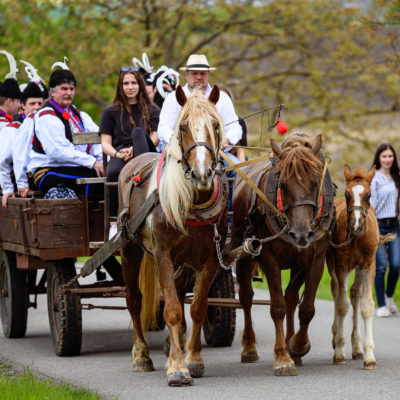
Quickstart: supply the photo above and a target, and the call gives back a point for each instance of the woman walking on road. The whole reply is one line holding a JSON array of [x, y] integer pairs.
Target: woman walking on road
[[385, 189]]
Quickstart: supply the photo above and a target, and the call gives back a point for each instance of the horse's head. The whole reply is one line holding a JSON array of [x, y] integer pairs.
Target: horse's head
[[199, 136], [298, 192], [357, 193]]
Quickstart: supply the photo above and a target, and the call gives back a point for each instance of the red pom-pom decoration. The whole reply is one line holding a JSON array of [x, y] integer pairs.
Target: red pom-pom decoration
[[136, 178], [281, 127], [66, 115]]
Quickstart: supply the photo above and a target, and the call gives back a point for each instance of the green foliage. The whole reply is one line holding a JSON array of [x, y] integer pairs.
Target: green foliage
[[26, 386]]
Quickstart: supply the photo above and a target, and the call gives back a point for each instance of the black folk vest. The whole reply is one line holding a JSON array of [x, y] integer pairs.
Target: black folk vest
[[36, 145]]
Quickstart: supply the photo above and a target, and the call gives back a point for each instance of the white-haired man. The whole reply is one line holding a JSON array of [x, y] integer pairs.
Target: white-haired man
[[54, 160]]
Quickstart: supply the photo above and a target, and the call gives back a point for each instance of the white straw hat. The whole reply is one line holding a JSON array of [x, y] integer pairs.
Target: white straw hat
[[197, 62]]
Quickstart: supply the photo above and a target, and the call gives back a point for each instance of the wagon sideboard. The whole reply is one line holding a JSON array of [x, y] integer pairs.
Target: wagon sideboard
[[49, 229]]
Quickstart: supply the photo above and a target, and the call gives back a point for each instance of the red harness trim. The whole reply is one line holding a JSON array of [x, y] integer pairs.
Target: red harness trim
[[186, 222], [159, 167]]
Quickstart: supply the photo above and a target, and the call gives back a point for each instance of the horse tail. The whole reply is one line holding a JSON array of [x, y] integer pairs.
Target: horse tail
[[150, 289], [389, 237]]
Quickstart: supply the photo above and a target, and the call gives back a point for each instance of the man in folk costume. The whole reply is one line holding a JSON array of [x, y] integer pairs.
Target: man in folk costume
[[55, 161], [197, 73], [22, 144], [31, 100], [10, 94]]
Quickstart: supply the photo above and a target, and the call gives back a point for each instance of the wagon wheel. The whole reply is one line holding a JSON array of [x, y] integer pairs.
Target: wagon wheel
[[14, 296], [220, 322], [65, 315]]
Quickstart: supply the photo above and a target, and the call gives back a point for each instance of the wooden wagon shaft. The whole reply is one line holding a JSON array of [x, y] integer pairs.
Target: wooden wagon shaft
[[213, 302], [115, 243]]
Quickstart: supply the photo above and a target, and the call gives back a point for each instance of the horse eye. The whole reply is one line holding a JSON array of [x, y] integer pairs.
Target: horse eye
[[367, 196]]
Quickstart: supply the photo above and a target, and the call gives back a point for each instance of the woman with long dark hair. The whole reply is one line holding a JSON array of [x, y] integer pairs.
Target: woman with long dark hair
[[385, 189], [128, 127]]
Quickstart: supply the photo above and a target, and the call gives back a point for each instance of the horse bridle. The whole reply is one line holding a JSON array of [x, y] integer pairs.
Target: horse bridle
[[315, 204], [187, 169]]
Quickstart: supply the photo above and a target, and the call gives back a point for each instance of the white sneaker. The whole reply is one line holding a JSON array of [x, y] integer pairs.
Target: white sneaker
[[113, 231], [390, 304], [383, 312]]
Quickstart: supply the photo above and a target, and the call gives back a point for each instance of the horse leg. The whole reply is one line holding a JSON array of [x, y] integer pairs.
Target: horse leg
[[244, 274], [177, 373], [292, 300], [342, 305], [299, 344], [198, 312], [131, 258], [283, 363], [355, 295], [367, 312]]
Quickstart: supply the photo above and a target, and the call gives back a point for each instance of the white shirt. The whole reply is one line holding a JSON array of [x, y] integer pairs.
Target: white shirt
[[384, 196], [21, 151], [7, 137], [170, 111], [60, 152]]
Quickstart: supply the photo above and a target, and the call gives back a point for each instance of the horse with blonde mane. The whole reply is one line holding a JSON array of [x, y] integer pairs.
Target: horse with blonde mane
[[178, 233]]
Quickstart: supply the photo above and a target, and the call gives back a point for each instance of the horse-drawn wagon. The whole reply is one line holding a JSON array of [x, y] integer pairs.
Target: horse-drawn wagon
[[41, 240]]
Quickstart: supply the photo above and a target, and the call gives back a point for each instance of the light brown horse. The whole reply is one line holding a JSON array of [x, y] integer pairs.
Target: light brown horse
[[292, 231], [355, 244], [178, 233]]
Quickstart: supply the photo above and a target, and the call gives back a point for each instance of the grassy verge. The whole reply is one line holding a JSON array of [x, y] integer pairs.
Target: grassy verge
[[26, 386], [324, 288]]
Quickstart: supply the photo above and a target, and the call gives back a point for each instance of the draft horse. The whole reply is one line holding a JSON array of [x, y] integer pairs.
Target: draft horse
[[178, 233], [290, 230], [354, 247]]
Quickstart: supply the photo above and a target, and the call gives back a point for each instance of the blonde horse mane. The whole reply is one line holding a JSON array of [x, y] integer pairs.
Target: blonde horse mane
[[176, 192]]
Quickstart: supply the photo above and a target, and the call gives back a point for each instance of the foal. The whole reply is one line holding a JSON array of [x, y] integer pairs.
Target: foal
[[356, 226]]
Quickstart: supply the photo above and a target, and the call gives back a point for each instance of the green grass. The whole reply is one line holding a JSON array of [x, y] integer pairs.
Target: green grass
[[324, 288], [27, 386]]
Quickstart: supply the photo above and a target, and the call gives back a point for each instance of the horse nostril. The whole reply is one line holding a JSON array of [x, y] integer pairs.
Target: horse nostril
[[292, 235], [209, 172], [194, 176], [310, 234]]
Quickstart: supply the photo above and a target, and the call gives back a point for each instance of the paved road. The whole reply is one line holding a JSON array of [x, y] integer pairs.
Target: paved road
[[105, 362]]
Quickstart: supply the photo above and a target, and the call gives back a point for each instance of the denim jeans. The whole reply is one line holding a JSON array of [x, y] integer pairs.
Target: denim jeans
[[387, 252], [231, 174]]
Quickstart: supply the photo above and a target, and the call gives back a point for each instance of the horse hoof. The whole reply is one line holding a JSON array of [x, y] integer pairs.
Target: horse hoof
[[357, 356], [249, 358], [298, 362], [298, 354], [143, 366], [286, 370], [339, 361], [370, 365], [179, 378], [196, 370]]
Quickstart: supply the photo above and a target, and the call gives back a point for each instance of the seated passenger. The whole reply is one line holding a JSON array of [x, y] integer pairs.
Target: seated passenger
[[54, 160], [128, 127], [31, 100]]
